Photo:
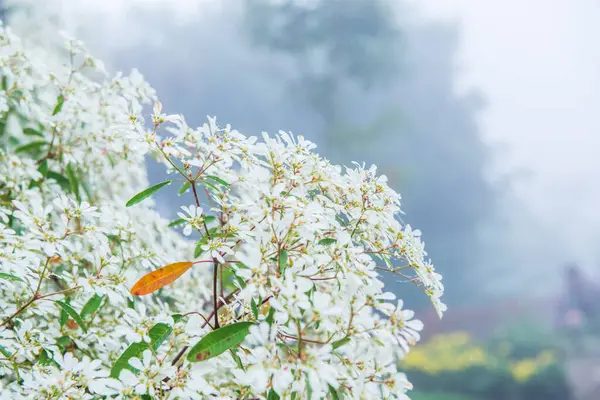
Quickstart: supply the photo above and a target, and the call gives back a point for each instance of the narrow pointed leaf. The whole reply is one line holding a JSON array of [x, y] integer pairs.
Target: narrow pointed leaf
[[198, 249], [160, 278], [340, 343], [272, 395], [209, 218], [184, 188], [32, 132], [327, 241], [64, 317], [283, 260], [177, 222], [177, 317], [134, 350], [10, 277], [73, 181], [237, 359], [158, 334], [254, 308], [46, 359], [60, 100], [270, 316], [219, 341], [334, 393], [218, 180], [60, 179], [43, 168], [72, 313], [210, 185], [32, 146], [5, 352], [91, 306], [146, 193]]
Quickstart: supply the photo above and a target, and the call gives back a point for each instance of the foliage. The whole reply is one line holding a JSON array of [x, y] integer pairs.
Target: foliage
[[437, 396], [454, 363], [279, 298]]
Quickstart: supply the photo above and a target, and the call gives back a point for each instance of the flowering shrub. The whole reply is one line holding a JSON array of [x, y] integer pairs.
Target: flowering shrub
[[280, 296]]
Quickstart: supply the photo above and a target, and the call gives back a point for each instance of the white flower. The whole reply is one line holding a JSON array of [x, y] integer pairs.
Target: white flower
[[193, 217], [159, 118]]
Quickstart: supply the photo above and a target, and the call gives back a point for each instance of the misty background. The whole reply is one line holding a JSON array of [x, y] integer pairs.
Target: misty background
[[482, 114]]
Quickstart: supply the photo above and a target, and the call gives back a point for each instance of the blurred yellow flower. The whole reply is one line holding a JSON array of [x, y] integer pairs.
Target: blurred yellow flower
[[456, 352], [524, 369], [447, 352]]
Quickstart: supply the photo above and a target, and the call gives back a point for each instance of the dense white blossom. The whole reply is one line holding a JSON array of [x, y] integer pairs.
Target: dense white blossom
[[290, 251]]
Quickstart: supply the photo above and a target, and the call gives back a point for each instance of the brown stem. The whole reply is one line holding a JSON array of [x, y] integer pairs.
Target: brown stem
[[200, 314], [215, 282], [303, 339], [33, 298], [59, 292]]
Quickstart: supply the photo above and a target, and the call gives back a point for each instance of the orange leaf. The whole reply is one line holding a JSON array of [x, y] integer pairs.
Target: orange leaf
[[159, 278]]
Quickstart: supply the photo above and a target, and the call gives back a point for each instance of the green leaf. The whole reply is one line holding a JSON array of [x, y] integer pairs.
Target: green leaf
[[209, 218], [309, 389], [254, 308], [210, 185], [158, 334], [86, 189], [184, 188], [5, 352], [64, 342], [334, 393], [73, 181], [340, 343], [283, 260], [270, 316], [64, 317], [237, 359], [134, 350], [45, 358], [177, 317], [91, 306], [177, 222], [43, 168], [32, 146], [10, 277], [219, 341], [72, 313], [60, 100], [272, 395], [198, 249], [4, 82], [60, 179], [32, 132], [146, 193], [218, 180], [327, 241]]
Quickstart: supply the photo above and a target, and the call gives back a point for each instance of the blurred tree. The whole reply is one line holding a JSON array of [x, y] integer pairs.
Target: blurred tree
[[349, 56], [334, 44]]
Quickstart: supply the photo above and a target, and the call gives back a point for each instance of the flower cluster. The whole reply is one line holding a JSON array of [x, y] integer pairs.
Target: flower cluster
[[281, 297]]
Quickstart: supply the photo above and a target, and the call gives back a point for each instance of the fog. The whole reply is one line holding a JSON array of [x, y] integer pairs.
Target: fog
[[538, 65]]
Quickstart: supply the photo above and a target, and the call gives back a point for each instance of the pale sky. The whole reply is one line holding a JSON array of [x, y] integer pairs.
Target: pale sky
[[538, 64]]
